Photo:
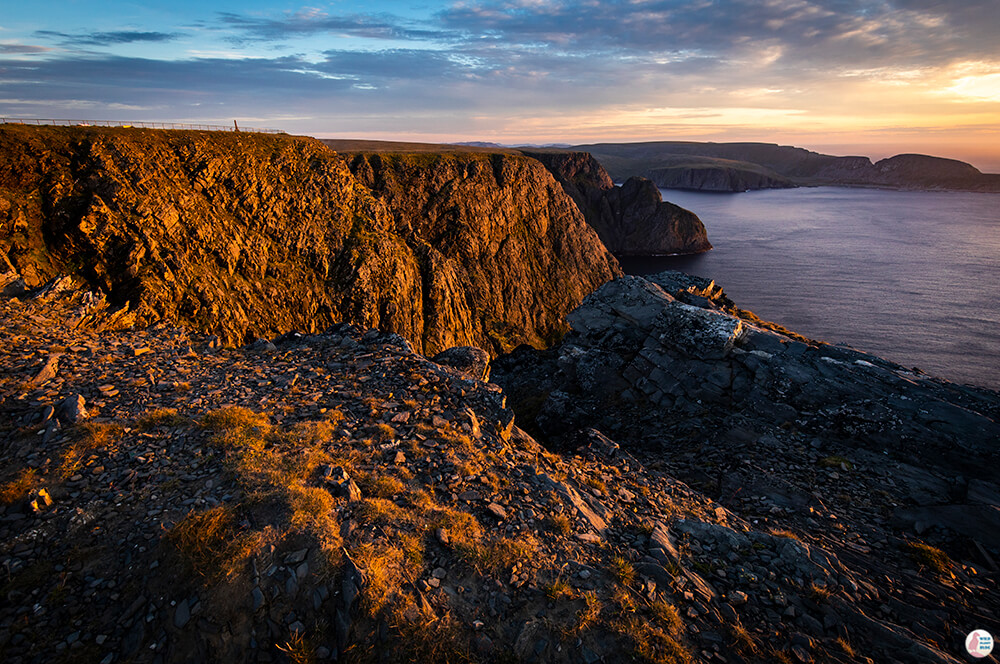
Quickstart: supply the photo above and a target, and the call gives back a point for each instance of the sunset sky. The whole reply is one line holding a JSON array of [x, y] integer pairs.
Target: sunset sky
[[840, 76]]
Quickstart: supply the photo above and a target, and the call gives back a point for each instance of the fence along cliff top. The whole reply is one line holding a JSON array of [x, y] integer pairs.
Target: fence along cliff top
[[137, 125]]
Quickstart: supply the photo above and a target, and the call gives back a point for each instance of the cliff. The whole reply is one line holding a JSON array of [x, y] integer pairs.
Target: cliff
[[741, 166], [706, 174], [248, 235], [631, 220]]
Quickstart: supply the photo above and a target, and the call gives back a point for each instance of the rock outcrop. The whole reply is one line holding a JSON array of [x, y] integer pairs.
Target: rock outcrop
[[633, 219], [878, 463], [336, 496], [249, 235], [742, 166], [721, 176]]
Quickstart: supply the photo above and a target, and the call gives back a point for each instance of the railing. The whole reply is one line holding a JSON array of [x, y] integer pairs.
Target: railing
[[137, 125]]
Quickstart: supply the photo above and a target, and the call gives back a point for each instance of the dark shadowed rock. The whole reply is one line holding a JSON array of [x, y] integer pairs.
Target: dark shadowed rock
[[73, 409], [472, 361], [632, 219]]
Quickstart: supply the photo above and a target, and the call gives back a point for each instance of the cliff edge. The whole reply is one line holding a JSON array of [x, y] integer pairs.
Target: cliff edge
[[250, 235], [631, 220]]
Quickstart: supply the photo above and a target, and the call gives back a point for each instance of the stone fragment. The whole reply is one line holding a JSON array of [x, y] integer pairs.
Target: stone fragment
[[73, 409], [182, 614], [48, 370], [497, 510], [471, 361]]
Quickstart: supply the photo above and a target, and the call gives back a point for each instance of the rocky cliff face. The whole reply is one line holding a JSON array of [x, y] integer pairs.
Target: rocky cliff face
[[716, 177], [250, 235], [632, 220], [501, 234]]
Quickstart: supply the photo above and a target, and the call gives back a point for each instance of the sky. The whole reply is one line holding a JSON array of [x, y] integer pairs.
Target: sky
[[864, 77]]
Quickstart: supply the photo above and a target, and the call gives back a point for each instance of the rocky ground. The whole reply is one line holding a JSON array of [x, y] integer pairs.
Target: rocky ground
[[338, 497]]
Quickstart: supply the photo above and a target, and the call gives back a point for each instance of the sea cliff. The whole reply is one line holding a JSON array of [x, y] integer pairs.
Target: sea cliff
[[249, 235]]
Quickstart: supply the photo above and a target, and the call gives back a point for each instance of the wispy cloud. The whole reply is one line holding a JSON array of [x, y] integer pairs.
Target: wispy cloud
[[27, 49], [113, 38], [315, 22]]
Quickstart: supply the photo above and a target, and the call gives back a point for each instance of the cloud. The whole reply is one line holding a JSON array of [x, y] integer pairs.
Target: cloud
[[16, 49], [315, 22], [113, 38], [805, 32]]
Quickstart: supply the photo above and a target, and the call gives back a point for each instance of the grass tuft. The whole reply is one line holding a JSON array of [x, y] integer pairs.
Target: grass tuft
[[622, 570], [653, 644], [668, 617], [19, 487], [214, 544], [89, 436], [560, 524], [929, 556], [558, 589], [492, 556], [160, 417]]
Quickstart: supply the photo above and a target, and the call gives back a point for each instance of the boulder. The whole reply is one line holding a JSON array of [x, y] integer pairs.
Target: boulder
[[469, 360]]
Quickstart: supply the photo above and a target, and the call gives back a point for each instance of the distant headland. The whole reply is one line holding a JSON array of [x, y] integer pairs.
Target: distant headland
[[743, 166]]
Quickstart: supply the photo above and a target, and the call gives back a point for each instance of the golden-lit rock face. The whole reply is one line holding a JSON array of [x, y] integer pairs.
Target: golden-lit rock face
[[246, 235]]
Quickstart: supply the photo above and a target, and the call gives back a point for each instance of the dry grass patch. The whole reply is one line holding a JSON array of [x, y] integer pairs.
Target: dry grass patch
[[837, 462], [588, 615], [383, 569], [19, 487], [929, 556], [380, 511], [559, 524], [236, 427], [622, 570], [426, 639], [558, 589], [312, 511], [160, 417], [89, 436], [742, 641], [491, 556], [668, 617], [653, 644], [780, 532], [334, 416], [460, 526], [818, 594], [273, 463], [381, 486], [298, 650], [214, 544]]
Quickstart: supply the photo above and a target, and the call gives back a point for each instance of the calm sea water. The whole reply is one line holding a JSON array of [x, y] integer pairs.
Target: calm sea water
[[911, 276]]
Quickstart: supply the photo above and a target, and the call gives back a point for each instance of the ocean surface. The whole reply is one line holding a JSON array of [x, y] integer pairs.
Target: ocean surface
[[910, 276]]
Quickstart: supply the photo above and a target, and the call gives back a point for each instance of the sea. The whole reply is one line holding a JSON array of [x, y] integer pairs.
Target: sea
[[911, 276]]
